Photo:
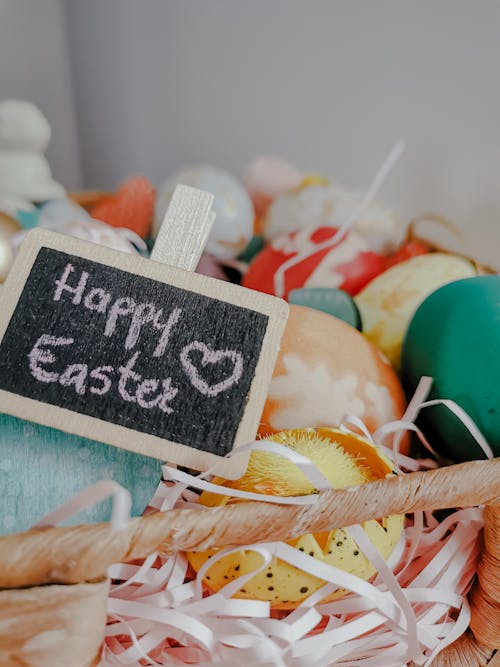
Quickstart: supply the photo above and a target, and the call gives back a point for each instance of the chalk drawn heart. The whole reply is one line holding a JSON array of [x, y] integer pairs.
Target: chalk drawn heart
[[210, 357]]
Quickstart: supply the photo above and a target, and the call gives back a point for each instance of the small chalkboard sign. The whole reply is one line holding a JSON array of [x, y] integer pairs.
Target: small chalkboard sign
[[134, 353]]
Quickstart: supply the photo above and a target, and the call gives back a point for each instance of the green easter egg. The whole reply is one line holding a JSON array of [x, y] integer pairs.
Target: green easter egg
[[41, 468], [328, 300], [454, 337]]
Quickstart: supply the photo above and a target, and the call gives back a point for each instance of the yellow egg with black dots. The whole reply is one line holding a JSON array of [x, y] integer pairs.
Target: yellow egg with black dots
[[345, 460]]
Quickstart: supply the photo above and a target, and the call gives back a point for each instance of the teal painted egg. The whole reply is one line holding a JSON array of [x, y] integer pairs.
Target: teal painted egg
[[328, 300], [454, 337], [41, 468]]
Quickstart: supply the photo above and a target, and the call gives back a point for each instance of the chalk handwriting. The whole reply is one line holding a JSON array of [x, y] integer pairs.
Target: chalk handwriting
[[39, 356], [126, 316], [62, 285], [76, 375], [210, 357], [102, 374], [140, 314]]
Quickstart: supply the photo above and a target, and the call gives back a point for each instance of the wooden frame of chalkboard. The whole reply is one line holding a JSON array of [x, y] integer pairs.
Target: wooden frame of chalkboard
[[75, 319]]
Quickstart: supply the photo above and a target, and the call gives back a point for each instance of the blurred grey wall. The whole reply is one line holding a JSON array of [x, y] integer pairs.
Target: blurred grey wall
[[35, 65], [330, 84]]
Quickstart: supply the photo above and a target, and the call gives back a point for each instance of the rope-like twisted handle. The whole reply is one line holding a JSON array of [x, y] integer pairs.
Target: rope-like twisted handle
[[83, 553]]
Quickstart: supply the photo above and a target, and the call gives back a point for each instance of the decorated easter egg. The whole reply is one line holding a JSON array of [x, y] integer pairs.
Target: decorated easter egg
[[327, 205], [66, 217], [234, 214], [326, 370], [42, 468], [454, 337], [348, 265], [329, 300], [345, 460], [388, 302], [132, 206]]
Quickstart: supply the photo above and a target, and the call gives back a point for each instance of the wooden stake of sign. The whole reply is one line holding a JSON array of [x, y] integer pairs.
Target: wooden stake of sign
[[134, 353], [184, 231]]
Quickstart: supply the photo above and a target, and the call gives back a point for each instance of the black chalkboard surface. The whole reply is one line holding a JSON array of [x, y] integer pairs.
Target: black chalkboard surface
[[96, 340]]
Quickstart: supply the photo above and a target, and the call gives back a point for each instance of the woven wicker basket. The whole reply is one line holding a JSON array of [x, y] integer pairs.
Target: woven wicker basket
[[53, 586]]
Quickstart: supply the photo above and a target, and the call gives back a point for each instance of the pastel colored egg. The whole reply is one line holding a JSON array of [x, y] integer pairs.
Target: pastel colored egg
[[326, 370], [234, 214], [42, 468], [326, 205], [328, 300], [345, 460], [388, 302], [267, 177], [454, 337], [348, 265], [65, 217], [131, 206]]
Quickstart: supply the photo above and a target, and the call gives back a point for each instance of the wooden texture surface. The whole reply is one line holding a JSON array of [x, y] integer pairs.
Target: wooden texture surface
[[184, 231], [157, 360], [83, 553], [118, 435]]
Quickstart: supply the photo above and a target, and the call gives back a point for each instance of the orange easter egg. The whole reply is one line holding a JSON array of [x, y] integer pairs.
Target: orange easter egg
[[325, 370], [132, 206]]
